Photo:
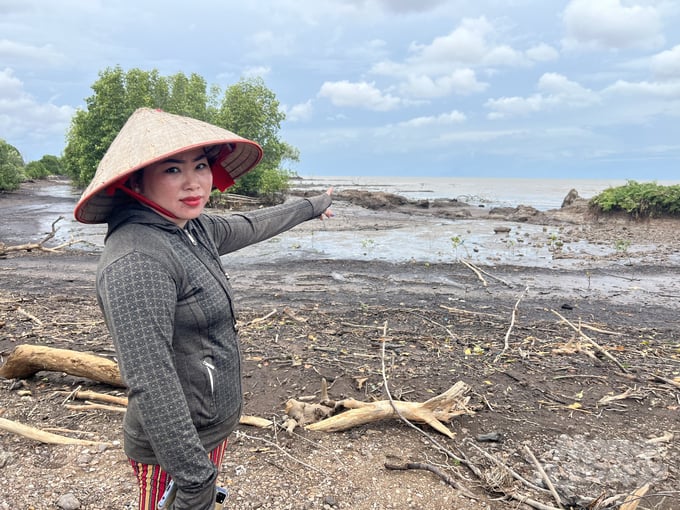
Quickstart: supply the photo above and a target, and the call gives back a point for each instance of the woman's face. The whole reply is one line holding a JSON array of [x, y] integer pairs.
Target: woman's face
[[180, 184]]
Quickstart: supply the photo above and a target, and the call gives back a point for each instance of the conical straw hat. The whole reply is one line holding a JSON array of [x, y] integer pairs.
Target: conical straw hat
[[152, 135]]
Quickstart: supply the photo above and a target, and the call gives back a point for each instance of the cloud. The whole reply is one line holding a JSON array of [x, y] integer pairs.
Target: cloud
[[11, 51], [669, 90], [666, 64], [555, 92], [542, 53], [407, 6], [299, 112], [256, 72], [25, 122], [454, 117], [358, 95], [447, 65], [459, 81], [607, 24]]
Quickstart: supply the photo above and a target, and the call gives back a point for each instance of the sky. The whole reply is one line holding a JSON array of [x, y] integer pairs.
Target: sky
[[439, 88]]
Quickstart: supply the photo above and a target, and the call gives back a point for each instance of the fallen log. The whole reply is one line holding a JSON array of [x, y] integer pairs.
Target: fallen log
[[434, 412], [26, 360]]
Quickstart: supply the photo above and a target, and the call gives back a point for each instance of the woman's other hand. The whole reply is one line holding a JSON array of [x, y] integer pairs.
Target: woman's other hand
[[327, 213]]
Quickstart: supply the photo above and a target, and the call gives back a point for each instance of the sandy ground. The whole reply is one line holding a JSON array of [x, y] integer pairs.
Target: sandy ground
[[564, 328]]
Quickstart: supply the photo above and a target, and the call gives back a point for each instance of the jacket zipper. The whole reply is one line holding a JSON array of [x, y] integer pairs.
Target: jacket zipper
[[209, 368], [191, 238]]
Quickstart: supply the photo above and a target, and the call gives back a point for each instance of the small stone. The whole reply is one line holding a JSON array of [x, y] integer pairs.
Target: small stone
[[68, 502], [330, 501]]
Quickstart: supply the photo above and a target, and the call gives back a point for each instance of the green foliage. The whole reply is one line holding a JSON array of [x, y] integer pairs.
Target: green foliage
[[640, 200], [248, 109], [11, 167], [48, 165], [251, 110]]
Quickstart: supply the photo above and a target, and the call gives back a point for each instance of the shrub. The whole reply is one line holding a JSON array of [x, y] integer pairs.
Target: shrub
[[11, 167], [639, 200]]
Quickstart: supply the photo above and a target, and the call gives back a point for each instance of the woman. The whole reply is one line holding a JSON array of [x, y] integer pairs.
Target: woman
[[166, 298]]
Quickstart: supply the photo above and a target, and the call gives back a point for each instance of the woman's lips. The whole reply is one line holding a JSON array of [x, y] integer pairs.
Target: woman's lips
[[192, 201]]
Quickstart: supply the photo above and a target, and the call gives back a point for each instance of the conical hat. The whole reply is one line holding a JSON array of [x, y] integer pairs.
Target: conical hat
[[150, 136]]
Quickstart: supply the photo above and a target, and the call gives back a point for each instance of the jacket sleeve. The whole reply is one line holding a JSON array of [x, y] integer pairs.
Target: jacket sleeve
[[138, 297], [239, 230]]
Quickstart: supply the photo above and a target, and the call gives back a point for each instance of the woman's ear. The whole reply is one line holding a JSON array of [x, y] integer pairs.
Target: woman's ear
[[135, 182]]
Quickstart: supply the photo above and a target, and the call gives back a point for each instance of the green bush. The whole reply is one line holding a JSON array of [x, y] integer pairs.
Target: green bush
[[11, 167], [48, 165], [639, 200]]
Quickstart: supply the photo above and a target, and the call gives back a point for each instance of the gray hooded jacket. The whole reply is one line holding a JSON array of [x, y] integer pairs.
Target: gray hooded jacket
[[169, 308]]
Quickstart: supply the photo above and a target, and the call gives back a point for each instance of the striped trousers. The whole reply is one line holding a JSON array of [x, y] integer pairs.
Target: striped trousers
[[153, 480]]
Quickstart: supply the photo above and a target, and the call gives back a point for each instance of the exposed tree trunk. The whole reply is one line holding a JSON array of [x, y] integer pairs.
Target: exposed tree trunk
[[26, 360]]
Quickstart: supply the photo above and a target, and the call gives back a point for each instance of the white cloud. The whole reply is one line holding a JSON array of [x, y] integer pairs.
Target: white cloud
[[466, 45], [669, 90], [542, 53], [358, 95], [402, 6], [299, 112], [25, 121], [609, 24], [555, 92], [459, 81], [256, 72], [667, 63], [454, 117]]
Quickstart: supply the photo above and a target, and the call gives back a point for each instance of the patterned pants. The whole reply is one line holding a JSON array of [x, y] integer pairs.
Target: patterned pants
[[153, 480]]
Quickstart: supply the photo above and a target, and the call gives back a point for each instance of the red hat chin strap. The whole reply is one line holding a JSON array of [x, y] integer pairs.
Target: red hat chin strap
[[120, 184], [221, 178]]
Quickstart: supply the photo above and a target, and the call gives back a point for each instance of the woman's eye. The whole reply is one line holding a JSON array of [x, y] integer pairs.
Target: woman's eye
[[201, 166], [172, 170]]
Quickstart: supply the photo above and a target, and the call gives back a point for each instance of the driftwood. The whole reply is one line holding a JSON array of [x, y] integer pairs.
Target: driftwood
[[27, 360], [434, 412], [41, 435], [4, 250]]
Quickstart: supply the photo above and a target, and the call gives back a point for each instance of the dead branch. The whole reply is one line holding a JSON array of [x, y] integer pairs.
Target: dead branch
[[475, 270], [633, 500], [42, 436], [441, 408], [512, 324], [240, 434], [544, 476], [89, 406], [4, 250], [433, 469], [26, 360], [434, 412], [471, 265], [93, 395], [593, 342]]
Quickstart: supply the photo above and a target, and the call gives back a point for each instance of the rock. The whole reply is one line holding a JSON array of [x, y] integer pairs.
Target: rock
[[501, 230], [68, 502], [570, 198]]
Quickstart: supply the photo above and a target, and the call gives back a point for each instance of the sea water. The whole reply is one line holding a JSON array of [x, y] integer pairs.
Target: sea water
[[543, 194]]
